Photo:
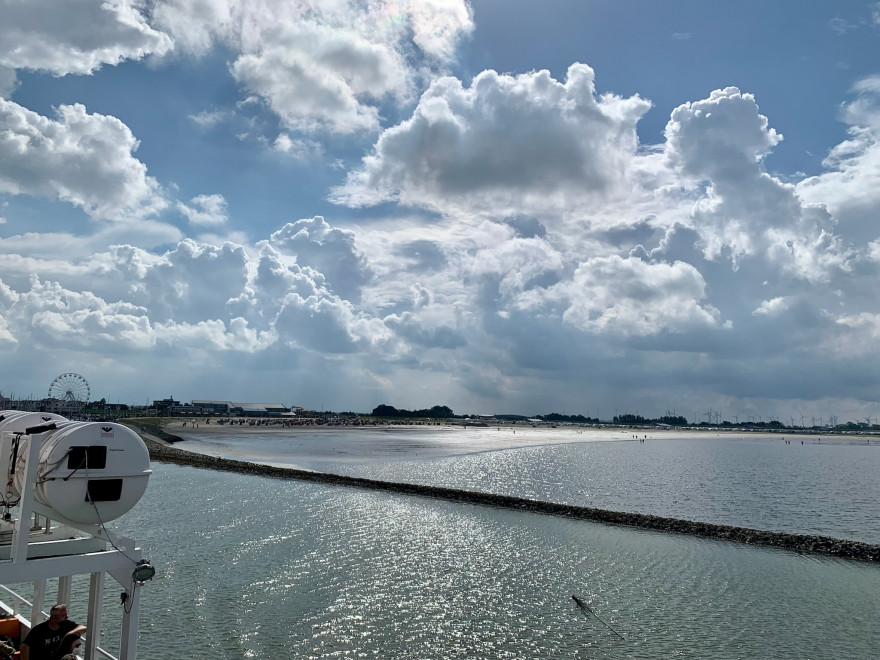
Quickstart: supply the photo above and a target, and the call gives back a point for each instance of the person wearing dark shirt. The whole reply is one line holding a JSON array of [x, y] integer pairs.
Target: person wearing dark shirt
[[43, 639]]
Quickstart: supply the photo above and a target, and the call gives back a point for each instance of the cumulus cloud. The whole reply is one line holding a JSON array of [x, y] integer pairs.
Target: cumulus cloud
[[85, 159], [6, 337], [504, 142], [516, 263], [75, 36], [195, 25], [409, 328], [719, 138], [55, 315], [772, 307], [629, 297], [208, 337], [329, 250], [193, 281], [313, 76], [205, 210], [744, 212], [176, 300], [88, 260], [327, 323], [327, 68], [849, 185], [856, 338]]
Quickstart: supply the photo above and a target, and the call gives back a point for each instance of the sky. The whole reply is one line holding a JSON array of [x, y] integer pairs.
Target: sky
[[501, 206]]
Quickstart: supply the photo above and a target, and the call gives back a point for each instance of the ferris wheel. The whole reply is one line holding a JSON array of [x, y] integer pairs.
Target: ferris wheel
[[71, 389]]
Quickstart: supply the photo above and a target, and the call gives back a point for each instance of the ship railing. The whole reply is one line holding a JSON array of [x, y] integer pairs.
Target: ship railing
[[17, 601], [15, 610]]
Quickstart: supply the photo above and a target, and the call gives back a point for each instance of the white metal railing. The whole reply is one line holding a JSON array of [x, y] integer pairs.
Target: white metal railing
[[104, 653], [17, 600], [15, 610]]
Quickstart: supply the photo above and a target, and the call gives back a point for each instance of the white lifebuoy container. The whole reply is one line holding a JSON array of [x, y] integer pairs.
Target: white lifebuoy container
[[89, 472], [18, 421]]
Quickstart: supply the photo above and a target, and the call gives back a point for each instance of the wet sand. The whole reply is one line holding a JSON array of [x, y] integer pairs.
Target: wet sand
[[382, 442], [302, 446]]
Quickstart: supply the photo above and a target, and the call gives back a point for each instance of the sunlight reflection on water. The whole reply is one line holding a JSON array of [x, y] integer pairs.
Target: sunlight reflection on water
[[753, 481], [283, 569]]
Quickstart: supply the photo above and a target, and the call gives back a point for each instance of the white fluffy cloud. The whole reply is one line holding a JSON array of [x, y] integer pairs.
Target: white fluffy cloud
[[193, 282], [85, 159], [629, 297], [52, 316], [506, 142], [772, 307], [75, 36], [328, 250], [745, 212], [325, 68], [205, 210], [315, 76], [721, 137], [328, 324], [849, 186], [316, 68]]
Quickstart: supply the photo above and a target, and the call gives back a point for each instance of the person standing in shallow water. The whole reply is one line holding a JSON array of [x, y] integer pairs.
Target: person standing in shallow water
[[43, 639]]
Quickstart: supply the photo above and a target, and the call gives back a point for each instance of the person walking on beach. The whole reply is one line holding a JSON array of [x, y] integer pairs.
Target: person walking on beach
[[44, 638]]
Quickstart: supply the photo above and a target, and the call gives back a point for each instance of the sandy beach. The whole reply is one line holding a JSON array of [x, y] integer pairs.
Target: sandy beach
[[303, 447]]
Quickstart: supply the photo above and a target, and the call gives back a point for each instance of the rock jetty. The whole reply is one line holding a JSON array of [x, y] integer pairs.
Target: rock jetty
[[822, 545]]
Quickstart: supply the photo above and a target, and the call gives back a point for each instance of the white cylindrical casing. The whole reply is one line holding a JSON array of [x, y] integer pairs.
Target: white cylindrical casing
[[18, 421], [92, 494]]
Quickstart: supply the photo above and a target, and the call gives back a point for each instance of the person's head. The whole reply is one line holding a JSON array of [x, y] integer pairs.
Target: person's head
[[58, 613], [70, 656]]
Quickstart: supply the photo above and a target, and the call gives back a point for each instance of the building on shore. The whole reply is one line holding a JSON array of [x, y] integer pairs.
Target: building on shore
[[231, 409]]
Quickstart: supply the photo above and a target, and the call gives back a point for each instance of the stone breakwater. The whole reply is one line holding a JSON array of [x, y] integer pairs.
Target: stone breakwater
[[822, 545]]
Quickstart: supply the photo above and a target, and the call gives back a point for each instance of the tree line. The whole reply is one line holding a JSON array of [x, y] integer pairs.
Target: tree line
[[435, 412]]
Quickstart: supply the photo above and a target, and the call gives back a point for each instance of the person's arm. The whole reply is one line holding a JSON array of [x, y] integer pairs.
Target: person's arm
[[25, 651], [79, 630]]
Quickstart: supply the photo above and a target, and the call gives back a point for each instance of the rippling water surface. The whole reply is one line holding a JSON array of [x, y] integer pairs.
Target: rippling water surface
[[251, 567], [826, 486]]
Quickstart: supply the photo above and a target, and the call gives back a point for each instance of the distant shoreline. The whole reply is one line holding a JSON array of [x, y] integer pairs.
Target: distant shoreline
[[177, 425], [162, 451]]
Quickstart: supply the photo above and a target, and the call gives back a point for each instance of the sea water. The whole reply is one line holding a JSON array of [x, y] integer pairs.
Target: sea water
[[808, 485], [252, 567]]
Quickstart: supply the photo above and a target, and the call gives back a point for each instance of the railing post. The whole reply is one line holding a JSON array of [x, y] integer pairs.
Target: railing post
[[128, 641], [96, 601], [63, 589], [38, 601]]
